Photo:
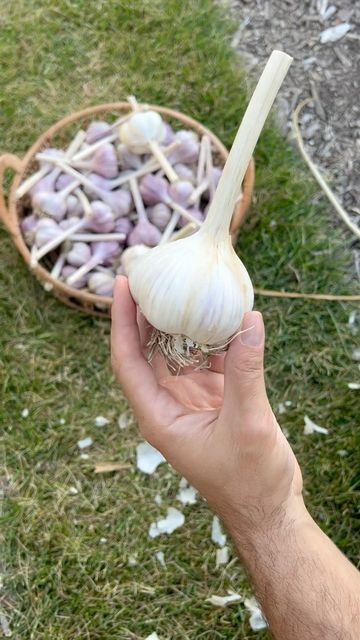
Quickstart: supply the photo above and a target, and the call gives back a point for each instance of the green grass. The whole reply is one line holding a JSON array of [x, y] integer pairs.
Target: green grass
[[60, 582]]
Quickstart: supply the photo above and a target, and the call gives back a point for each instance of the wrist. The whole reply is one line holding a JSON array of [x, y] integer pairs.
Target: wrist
[[278, 525]]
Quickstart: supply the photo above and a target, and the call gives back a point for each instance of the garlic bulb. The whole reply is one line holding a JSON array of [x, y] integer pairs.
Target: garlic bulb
[[141, 128], [101, 283], [143, 132], [194, 291]]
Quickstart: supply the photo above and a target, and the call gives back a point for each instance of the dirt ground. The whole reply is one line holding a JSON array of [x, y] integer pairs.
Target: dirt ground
[[329, 72]]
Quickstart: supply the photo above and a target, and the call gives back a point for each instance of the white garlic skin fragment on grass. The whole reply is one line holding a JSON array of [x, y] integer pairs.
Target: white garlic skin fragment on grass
[[193, 287]]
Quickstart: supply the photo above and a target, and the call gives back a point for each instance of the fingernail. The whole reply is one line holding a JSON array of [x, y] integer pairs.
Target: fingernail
[[252, 329]]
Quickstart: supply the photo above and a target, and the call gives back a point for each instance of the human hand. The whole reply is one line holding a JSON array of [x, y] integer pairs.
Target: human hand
[[215, 427]]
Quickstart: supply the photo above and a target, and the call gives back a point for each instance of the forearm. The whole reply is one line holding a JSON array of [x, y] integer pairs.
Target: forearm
[[308, 590]]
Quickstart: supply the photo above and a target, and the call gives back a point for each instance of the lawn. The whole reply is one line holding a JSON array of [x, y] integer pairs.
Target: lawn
[[60, 581]]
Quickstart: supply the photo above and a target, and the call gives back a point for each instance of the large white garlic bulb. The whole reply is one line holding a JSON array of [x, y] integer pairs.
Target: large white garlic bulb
[[193, 288]]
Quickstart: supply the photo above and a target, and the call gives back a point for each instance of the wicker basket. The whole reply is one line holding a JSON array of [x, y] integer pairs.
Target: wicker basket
[[59, 134]]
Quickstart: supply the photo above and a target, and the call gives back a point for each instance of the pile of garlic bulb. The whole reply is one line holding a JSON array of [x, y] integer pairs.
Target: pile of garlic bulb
[[118, 189]]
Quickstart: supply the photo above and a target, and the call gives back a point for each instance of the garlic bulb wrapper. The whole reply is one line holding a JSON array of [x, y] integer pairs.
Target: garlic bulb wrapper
[[193, 288]]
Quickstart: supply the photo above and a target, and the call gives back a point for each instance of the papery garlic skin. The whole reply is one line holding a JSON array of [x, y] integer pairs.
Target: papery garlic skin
[[194, 288]]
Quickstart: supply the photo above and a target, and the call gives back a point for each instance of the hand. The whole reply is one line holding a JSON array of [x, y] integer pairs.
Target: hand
[[216, 426]]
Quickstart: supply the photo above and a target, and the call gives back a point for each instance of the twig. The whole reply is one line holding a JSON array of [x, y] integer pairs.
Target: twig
[[306, 296], [316, 173]]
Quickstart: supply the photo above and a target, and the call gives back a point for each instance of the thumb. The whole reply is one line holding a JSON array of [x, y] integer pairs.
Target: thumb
[[245, 398]]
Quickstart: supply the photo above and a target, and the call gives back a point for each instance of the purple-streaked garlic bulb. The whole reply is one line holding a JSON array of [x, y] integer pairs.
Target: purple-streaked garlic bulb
[[168, 134], [144, 232], [97, 130], [68, 223], [53, 203], [73, 206], [154, 189], [196, 214], [100, 182], [46, 184], [103, 162], [118, 200], [101, 283], [181, 191], [186, 152], [46, 230], [102, 218], [159, 215], [28, 226], [63, 181], [123, 225], [79, 253], [128, 159], [184, 172], [69, 271], [102, 253]]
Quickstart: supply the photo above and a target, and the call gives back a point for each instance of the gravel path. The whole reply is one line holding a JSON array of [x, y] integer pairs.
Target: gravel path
[[328, 71]]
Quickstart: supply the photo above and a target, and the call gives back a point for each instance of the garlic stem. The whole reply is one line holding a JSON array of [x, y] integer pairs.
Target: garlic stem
[[170, 227], [31, 180], [184, 212], [148, 167], [52, 244], [56, 270], [122, 119], [88, 151], [84, 202], [72, 172], [82, 271], [201, 161], [97, 237], [138, 201], [187, 230], [163, 162], [197, 193], [217, 221], [209, 169]]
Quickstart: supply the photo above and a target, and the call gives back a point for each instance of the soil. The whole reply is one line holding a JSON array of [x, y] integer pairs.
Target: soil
[[328, 72]]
